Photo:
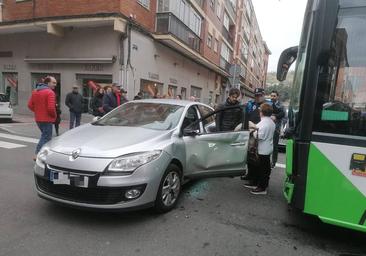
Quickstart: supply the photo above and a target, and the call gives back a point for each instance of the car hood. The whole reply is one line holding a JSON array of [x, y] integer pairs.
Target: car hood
[[108, 141]]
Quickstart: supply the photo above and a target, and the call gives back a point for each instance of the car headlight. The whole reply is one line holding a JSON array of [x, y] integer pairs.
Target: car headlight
[[129, 163], [42, 156]]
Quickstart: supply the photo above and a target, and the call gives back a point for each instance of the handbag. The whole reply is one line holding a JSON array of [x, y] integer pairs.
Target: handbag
[[253, 156]]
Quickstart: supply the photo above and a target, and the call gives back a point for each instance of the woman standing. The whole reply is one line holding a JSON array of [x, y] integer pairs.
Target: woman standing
[[97, 103], [265, 131]]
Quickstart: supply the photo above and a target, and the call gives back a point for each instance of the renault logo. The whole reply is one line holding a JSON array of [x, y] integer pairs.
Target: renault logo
[[75, 154]]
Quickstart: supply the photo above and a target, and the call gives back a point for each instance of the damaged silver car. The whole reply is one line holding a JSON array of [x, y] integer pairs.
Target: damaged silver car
[[138, 156]]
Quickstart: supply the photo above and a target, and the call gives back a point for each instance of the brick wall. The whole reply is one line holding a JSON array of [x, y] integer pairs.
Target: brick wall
[[52, 8], [145, 17]]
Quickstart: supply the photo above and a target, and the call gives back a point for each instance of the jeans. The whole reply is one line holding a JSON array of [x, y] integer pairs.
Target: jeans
[[276, 139], [74, 119], [46, 134]]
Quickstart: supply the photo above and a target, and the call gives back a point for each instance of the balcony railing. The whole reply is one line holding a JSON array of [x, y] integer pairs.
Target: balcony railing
[[230, 8], [225, 65], [199, 2], [168, 23], [227, 35]]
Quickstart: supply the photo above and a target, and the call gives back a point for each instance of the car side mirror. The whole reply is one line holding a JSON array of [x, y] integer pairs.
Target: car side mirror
[[190, 132], [285, 61]]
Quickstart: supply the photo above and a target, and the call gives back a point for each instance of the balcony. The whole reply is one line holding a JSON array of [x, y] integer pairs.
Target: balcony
[[225, 65], [230, 9], [199, 2], [227, 35], [168, 23]]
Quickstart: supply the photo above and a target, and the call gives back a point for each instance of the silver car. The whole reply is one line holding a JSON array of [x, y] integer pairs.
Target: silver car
[[6, 110], [138, 156]]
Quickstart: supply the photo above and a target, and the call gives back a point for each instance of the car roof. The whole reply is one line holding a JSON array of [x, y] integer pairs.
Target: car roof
[[182, 103]]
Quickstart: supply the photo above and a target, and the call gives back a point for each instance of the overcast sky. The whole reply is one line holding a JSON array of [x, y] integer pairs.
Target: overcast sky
[[280, 23]]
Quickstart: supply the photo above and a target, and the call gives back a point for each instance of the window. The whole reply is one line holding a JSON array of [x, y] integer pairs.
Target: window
[[341, 98], [9, 87], [209, 41], [216, 45], [196, 93], [84, 81], [163, 5], [226, 21], [144, 3], [225, 52], [205, 111], [190, 118], [218, 11]]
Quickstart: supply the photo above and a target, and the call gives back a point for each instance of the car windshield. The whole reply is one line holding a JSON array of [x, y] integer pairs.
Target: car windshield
[[3, 98], [155, 116]]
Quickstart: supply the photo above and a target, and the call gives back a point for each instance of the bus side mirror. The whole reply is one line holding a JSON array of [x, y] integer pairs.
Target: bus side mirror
[[285, 61]]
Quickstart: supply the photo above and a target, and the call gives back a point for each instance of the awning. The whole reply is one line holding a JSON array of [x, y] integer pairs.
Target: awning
[[107, 60]]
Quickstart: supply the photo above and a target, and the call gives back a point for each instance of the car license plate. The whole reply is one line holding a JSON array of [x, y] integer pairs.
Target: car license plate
[[64, 178]]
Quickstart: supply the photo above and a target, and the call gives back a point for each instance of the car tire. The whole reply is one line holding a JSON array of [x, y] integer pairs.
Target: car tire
[[169, 189]]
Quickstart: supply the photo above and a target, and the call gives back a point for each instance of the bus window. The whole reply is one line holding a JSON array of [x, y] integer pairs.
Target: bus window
[[341, 95]]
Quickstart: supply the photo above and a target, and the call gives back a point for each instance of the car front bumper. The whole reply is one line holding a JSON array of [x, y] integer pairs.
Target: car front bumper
[[104, 192]]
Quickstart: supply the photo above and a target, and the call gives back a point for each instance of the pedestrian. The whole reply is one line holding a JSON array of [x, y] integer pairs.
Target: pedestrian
[[97, 103], [107, 89], [74, 101], [58, 117], [228, 119], [265, 131], [113, 99], [43, 104], [277, 116], [253, 115], [123, 96], [178, 97]]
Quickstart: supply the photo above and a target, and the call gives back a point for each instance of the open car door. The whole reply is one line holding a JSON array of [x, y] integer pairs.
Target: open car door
[[212, 153]]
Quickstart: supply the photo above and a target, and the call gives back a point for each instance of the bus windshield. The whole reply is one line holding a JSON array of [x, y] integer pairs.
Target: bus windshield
[[341, 96]]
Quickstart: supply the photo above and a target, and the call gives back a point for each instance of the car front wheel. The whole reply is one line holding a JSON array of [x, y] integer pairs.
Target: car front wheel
[[169, 189]]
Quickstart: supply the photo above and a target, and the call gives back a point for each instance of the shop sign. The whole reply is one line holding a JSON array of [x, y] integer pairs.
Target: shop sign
[[93, 67], [10, 67], [45, 66], [153, 76], [6, 54], [173, 81]]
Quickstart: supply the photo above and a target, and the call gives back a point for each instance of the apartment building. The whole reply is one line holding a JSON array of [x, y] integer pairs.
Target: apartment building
[[165, 47]]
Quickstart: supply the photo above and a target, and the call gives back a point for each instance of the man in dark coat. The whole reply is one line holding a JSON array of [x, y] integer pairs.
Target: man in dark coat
[[114, 99], [228, 119], [74, 101]]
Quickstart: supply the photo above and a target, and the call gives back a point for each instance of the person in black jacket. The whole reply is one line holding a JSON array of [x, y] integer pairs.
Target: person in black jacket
[[97, 103], [74, 101], [114, 99], [277, 116], [228, 119]]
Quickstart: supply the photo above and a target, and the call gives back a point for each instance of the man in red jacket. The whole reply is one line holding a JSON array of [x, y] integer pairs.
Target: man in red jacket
[[43, 104]]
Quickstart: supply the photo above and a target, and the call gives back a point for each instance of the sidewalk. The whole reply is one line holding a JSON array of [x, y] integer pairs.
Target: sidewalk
[[24, 125]]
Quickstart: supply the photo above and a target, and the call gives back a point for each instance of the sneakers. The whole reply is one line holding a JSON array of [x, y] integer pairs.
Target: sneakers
[[259, 191], [250, 184]]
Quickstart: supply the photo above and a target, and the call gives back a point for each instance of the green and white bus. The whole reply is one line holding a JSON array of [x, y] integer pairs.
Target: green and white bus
[[326, 152]]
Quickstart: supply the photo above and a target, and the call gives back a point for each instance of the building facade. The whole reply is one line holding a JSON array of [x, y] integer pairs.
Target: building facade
[[161, 47]]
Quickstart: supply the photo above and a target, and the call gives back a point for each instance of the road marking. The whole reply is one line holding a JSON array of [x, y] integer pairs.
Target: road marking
[[281, 166], [8, 145], [19, 138]]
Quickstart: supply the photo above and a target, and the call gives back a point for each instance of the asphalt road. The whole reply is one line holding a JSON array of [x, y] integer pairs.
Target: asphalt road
[[213, 217]]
